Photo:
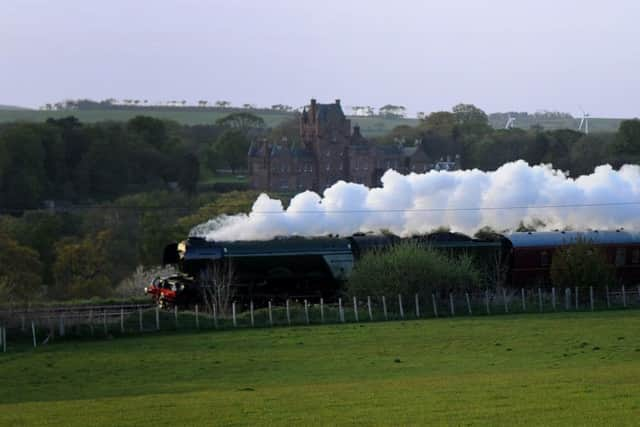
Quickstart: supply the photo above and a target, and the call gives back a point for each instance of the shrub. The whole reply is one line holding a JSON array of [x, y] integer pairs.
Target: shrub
[[581, 264], [409, 268]]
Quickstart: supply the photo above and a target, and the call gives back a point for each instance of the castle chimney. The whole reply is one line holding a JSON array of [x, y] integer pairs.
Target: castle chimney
[[312, 110], [337, 102], [356, 131]]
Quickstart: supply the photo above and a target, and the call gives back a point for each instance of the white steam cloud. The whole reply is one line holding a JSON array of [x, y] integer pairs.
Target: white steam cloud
[[462, 200]]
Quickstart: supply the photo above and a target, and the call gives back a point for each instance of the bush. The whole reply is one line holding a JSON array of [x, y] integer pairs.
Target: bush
[[581, 264], [409, 268]]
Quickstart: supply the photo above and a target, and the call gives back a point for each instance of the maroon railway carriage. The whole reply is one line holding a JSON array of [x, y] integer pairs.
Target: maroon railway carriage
[[531, 253]]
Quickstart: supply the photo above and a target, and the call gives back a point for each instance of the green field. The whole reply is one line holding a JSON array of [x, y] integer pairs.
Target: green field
[[552, 369], [370, 126]]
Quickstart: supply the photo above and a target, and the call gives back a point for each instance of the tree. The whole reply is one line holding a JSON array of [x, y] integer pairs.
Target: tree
[[82, 267], [471, 120], [441, 123], [241, 121], [231, 149], [223, 104], [189, 173], [152, 131], [392, 111], [581, 264], [19, 272], [408, 269], [22, 173], [588, 152], [628, 137]]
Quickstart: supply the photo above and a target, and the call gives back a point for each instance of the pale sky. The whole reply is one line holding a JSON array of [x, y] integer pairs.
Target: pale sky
[[427, 55]]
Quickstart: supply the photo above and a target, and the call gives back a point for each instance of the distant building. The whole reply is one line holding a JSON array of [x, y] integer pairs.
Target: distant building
[[331, 151]]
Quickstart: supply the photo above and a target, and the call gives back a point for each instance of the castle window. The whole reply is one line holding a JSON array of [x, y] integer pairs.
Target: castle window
[[340, 167], [328, 153], [328, 167], [635, 256], [621, 256]]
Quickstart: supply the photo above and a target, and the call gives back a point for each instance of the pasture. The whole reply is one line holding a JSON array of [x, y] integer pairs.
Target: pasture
[[370, 126], [550, 369]]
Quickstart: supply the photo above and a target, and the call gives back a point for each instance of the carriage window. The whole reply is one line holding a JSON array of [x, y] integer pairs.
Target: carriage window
[[635, 256], [544, 258], [621, 256]]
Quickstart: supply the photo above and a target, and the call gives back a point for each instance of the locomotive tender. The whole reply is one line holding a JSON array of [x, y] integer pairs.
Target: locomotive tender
[[299, 267]]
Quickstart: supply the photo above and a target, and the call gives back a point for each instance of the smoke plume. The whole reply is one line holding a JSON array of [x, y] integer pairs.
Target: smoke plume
[[461, 200]]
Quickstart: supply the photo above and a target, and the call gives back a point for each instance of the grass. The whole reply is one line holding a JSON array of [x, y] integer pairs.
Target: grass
[[370, 126], [552, 369]]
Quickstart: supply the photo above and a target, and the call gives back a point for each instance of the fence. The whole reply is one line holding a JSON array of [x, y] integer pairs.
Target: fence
[[40, 327]]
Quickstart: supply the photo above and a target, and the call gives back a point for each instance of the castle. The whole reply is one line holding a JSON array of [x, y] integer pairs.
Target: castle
[[331, 151]]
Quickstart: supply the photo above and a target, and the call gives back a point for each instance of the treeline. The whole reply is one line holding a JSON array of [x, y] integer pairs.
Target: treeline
[[466, 131], [118, 192], [66, 160]]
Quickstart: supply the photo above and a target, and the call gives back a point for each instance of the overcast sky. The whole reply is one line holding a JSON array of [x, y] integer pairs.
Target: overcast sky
[[428, 55]]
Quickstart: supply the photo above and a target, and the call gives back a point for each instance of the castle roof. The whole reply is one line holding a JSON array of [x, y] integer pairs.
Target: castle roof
[[329, 113]]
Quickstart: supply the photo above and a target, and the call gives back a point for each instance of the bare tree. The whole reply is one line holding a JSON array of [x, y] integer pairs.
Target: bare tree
[[216, 283]]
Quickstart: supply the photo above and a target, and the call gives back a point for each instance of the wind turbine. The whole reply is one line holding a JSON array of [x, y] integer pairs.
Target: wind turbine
[[584, 121], [510, 122]]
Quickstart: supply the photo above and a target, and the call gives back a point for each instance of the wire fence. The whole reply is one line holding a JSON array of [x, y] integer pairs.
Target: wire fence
[[26, 328]]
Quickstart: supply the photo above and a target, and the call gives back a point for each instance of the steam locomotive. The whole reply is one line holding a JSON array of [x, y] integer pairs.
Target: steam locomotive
[[299, 267]]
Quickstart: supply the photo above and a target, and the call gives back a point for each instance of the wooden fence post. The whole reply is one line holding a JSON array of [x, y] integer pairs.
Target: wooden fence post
[[417, 306], [355, 309], [270, 315], [624, 297], [553, 298], [197, 317], [524, 303], [400, 306], [591, 297], [567, 295], [435, 306], [321, 310], [608, 297], [121, 320], [540, 299], [340, 311], [157, 318], [288, 312], [306, 311], [175, 314], [61, 330], [91, 321], [104, 321], [369, 308], [504, 299], [140, 319], [451, 306], [33, 333], [486, 301], [466, 295], [233, 313], [251, 312], [577, 299], [215, 314], [384, 307]]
